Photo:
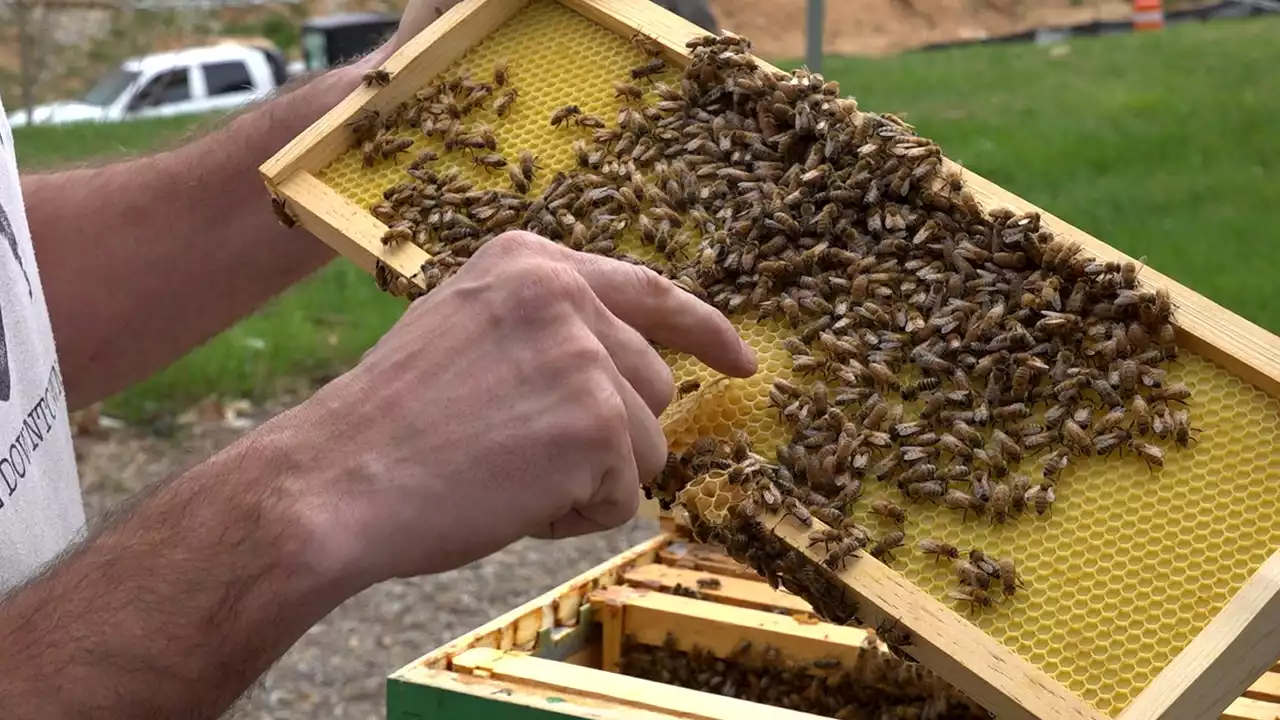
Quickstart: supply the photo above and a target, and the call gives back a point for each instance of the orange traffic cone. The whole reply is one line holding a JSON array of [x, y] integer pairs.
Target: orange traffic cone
[[1148, 15]]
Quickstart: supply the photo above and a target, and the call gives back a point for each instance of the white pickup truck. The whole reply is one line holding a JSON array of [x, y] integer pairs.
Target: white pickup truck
[[189, 81]]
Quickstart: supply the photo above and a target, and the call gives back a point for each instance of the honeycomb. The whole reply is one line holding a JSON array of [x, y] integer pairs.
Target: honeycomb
[[1123, 571]]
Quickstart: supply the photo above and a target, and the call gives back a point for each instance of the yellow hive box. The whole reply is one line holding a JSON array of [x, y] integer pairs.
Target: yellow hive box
[[1125, 572], [557, 655]]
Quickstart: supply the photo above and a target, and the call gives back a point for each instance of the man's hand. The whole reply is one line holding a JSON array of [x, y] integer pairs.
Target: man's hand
[[519, 398]]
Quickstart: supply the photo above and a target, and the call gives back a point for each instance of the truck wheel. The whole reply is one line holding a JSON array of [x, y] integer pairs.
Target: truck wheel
[[695, 11]]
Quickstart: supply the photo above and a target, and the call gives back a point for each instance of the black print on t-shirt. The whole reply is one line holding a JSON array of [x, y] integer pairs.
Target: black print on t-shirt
[[6, 229]]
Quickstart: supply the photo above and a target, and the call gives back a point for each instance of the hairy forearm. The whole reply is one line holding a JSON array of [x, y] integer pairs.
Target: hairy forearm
[[177, 605], [146, 258]]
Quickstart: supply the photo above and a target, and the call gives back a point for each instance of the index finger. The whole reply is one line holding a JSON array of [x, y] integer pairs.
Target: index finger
[[663, 313]]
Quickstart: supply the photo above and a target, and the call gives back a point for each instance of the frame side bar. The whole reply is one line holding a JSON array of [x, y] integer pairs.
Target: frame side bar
[[345, 227], [1232, 651]]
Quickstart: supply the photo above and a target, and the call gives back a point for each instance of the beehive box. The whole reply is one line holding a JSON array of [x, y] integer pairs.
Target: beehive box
[[1124, 573], [558, 655]]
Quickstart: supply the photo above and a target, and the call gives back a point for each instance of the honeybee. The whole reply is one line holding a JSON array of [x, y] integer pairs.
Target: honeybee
[[628, 91], [1040, 497], [911, 390], [500, 75], [708, 583], [1182, 430], [1013, 411], [424, 157], [528, 163], [964, 432], [1177, 392], [1009, 579], [491, 161], [364, 125], [1077, 437], [646, 44], [1001, 499], [1055, 464], [825, 537], [1106, 392], [654, 67], [590, 121], [1018, 487], [377, 77], [1141, 415], [1152, 455], [1007, 445], [960, 500], [938, 549], [282, 212], [564, 113], [1111, 420], [503, 104], [889, 510], [398, 233], [518, 181], [971, 575], [794, 508], [688, 386], [848, 547], [887, 544], [892, 635], [950, 443], [391, 146]]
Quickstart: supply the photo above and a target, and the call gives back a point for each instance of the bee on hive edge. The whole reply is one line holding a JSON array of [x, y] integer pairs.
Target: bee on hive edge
[[282, 212], [378, 77]]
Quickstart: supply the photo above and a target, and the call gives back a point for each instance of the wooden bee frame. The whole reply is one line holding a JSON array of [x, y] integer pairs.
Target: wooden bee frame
[[557, 655], [1237, 646]]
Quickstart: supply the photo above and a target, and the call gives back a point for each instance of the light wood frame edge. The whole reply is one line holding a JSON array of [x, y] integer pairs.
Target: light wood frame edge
[[621, 692], [417, 688]]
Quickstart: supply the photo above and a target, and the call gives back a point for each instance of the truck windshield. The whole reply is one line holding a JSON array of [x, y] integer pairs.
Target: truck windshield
[[110, 87]]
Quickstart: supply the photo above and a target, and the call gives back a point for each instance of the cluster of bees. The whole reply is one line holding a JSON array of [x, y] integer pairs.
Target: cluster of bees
[[976, 573], [935, 347], [878, 686]]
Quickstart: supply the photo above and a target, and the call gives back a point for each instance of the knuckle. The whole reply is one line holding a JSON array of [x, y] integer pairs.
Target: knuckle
[[582, 354], [515, 243], [650, 283], [541, 283], [604, 418]]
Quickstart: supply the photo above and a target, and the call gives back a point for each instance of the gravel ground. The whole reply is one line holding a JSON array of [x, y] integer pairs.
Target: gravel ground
[[338, 669]]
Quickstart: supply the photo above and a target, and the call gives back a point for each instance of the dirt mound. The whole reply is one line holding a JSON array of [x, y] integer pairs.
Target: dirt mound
[[875, 27]]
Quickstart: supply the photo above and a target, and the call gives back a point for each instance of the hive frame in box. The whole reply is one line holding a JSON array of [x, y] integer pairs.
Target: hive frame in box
[[1202, 680], [529, 662]]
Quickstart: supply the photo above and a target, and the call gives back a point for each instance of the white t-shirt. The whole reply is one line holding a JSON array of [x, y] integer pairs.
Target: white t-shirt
[[41, 510]]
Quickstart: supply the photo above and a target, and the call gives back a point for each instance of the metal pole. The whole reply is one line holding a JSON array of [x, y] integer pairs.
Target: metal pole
[[813, 43]]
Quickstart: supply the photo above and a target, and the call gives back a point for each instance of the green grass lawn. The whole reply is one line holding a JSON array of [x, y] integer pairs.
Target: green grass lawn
[[1164, 145]]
